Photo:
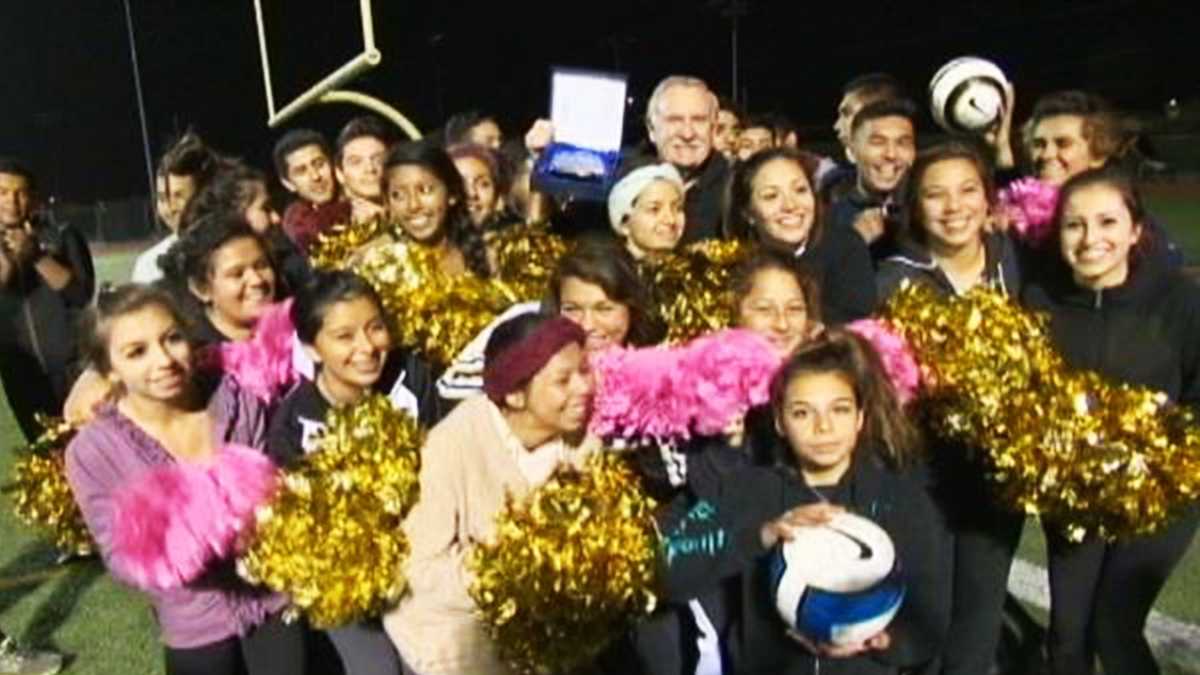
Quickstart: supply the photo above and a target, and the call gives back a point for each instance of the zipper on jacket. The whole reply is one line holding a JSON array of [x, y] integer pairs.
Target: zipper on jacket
[[1099, 299]]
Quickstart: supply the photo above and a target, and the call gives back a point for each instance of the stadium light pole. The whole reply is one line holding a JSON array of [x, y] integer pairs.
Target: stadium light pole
[[735, 10], [137, 88]]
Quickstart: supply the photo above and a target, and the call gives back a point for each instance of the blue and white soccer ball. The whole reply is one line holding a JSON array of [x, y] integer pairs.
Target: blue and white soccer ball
[[968, 94], [837, 583]]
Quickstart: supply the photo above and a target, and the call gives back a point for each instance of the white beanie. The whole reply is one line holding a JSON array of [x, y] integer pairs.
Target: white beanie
[[622, 195]]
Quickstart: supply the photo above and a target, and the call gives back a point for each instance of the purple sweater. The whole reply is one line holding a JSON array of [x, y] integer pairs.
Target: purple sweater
[[110, 454]]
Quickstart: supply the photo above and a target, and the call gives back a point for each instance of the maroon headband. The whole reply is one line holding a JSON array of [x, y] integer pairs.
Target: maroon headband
[[514, 365]]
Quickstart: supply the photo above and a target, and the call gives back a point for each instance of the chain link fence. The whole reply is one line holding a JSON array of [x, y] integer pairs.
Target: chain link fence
[[111, 221]]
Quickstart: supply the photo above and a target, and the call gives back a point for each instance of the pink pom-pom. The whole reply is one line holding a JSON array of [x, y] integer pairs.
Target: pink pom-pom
[[637, 395], [263, 364], [245, 478], [1029, 205], [178, 518], [667, 394], [726, 374], [896, 355]]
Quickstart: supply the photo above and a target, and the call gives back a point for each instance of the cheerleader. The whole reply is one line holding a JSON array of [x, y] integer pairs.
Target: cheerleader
[[1114, 308], [945, 245], [776, 299], [502, 444], [169, 454], [340, 323], [425, 198], [645, 209], [221, 277], [228, 275], [597, 286], [772, 202], [846, 444]]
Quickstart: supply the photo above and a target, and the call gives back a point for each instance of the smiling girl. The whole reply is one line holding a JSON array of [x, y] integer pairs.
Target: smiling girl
[[425, 198], [772, 201], [229, 272], [167, 420], [947, 201], [492, 447], [645, 209], [340, 323], [1115, 310]]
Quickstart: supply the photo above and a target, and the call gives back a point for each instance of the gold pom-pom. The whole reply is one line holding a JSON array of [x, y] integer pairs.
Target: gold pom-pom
[[334, 248], [571, 566], [693, 287], [525, 258], [41, 496], [331, 537], [1088, 455], [430, 311]]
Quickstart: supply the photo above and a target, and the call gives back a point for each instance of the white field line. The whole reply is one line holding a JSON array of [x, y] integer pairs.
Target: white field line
[[1172, 640]]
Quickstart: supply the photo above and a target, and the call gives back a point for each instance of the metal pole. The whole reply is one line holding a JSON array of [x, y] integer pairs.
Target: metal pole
[[734, 42], [137, 88]]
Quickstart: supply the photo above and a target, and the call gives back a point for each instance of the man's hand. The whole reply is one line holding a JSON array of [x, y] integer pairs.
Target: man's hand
[[362, 210], [1000, 135], [540, 135], [88, 393], [21, 242], [870, 225]]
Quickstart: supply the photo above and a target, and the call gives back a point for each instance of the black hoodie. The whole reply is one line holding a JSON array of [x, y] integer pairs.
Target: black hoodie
[[713, 534], [1002, 269], [1144, 332]]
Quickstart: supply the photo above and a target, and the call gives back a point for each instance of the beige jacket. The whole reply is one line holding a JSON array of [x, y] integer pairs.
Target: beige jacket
[[467, 469]]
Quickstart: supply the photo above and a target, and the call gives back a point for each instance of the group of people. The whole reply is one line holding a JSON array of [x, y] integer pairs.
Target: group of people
[[830, 240]]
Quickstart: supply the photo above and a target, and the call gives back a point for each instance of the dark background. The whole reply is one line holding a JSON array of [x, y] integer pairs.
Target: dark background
[[68, 105]]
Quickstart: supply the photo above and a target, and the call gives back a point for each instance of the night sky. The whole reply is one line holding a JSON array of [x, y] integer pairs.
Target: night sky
[[69, 107]]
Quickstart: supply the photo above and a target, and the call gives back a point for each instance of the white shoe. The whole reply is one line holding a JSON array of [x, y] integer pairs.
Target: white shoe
[[17, 661]]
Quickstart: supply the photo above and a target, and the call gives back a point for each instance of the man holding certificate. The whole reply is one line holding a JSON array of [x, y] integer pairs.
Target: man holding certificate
[[578, 150]]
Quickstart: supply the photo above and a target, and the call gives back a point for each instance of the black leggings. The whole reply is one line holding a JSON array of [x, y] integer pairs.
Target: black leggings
[[1101, 594], [985, 539], [274, 648], [983, 556]]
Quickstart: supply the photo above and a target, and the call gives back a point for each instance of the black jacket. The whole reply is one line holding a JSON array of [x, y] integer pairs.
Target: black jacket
[[302, 411], [840, 263], [713, 534], [1002, 268], [1143, 332], [39, 332], [704, 201]]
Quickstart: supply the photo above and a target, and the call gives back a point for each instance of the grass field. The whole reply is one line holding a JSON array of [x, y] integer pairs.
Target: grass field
[[109, 630]]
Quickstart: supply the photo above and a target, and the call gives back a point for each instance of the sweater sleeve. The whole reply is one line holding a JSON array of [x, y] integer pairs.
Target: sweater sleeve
[[93, 478], [251, 426], [707, 540], [437, 563], [923, 549]]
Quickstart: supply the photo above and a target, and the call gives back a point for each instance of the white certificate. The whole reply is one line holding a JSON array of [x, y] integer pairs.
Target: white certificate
[[587, 108]]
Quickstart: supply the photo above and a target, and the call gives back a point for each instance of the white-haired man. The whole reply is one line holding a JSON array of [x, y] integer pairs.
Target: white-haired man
[[681, 117]]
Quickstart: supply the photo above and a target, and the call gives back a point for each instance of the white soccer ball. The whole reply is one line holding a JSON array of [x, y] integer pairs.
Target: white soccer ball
[[837, 583], [968, 94]]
